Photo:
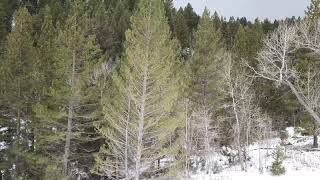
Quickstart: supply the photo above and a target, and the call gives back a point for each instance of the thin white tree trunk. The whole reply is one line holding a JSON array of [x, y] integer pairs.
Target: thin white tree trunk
[[262, 137], [17, 158], [238, 142], [206, 124], [187, 140], [302, 101], [248, 131], [260, 160]]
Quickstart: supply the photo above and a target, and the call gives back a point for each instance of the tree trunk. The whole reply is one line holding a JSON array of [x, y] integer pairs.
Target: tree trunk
[[68, 140], [32, 139], [238, 129], [17, 158], [315, 140], [260, 160], [241, 161], [141, 125], [248, 132], [206, 124], [127, 139], [70, 118], [19, 126], [187, 140], [302, 102]]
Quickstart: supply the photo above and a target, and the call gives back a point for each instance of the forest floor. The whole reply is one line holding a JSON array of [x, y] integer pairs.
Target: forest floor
[[301, 161]]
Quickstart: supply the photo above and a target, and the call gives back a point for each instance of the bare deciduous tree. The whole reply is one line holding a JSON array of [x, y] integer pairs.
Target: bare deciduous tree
[[308, 85], [276, 63], [249, 122], [309, 36], [237, 90]]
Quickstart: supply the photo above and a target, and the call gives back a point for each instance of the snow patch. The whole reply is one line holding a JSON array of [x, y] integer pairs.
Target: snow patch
[[301, 161], [3, 145], [3, 129]]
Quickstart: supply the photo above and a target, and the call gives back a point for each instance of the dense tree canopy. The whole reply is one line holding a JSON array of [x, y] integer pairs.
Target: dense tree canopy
[[97, 89]]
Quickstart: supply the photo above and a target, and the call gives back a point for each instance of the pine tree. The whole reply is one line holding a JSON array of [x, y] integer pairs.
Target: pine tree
[[40, 129], [65, 111], [268, 26], [7, 8], [121, 22], [17, 78], [46, 53], [3, 28], [217, 20], [111, 20], [101, 26], [313, 12], [248, 42], [241, 43], [181, 29], [206, 79], [138, 121], [191, 17], [170, 13], [229, 31]]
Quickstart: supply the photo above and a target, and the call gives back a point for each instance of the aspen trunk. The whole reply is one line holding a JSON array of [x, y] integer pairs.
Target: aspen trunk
[[187, 141], [238, 129], [302, 101]]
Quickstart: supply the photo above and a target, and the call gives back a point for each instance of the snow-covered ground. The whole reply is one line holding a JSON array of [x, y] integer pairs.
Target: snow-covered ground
[[300, 162]]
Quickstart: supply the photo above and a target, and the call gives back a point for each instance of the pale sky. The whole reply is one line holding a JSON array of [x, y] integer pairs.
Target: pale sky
[[271, 9]]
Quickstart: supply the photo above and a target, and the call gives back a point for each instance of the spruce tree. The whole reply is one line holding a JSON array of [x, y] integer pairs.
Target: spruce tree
[[229, 31], [17, 80], [3, 28], [247, 43], [45, 50], [65, 112], [170, 13], [181, 31], [206, 79], [40, 129], [139, 122], [241, 43], [191, 17], [7, 9], [268, 26], [217, 20]]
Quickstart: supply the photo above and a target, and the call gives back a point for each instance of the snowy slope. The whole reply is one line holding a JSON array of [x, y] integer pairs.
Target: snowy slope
[[300, 162]]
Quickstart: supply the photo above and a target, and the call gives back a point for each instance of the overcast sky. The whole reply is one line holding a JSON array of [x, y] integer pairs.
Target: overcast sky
[[271, 9]]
